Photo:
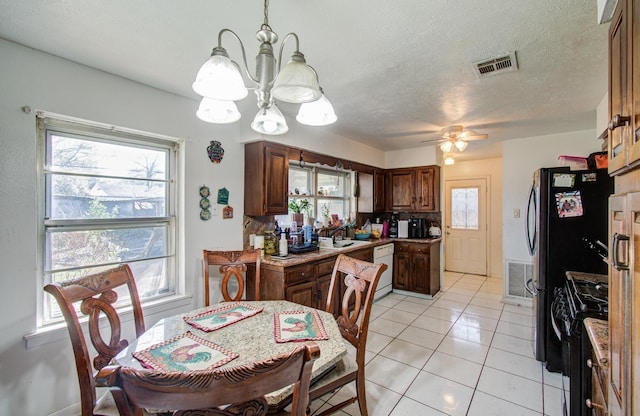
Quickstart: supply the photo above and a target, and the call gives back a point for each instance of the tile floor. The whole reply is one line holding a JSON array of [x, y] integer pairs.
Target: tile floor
[[464, 352]]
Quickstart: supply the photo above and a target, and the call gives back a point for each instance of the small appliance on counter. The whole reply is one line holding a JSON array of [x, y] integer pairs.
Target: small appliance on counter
[[417, 228], [434, 230], [393, 226], [403, 228]]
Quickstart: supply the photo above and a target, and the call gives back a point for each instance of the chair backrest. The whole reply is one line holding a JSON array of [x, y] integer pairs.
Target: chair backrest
[[232, 264], [361, 279], [243, 387], [96, 295]]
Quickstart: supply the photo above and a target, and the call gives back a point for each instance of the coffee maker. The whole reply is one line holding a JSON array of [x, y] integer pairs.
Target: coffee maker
[[393, 226], [417, 228]]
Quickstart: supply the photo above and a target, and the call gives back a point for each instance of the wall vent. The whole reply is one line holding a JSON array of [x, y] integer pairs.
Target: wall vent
[[517, 274], [495, 66]]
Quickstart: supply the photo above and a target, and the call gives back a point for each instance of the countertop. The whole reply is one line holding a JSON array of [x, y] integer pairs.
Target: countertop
[[297, 259], [598, 331]]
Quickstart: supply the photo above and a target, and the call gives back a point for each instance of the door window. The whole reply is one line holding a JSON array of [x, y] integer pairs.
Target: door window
[[464, 208]]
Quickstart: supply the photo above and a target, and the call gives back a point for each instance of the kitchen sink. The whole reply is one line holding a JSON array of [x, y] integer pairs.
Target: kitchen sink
[[342, 244]]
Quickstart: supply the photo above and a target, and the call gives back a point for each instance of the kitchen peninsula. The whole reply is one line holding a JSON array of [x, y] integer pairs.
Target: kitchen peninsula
[[305, 278]]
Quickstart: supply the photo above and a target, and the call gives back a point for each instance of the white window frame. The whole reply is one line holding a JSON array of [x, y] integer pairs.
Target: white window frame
[[119, 135], [313, 197]]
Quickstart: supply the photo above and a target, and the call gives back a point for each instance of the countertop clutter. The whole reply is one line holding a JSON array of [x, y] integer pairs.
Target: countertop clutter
[[325, 253]]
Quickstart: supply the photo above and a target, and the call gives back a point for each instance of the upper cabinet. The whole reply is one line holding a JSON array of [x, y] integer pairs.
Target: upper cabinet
[[378, 190], [624, 88], [266, 179], [413, 189]]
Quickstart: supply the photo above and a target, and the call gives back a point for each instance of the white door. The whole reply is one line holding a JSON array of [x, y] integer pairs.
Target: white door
[[465, 229]]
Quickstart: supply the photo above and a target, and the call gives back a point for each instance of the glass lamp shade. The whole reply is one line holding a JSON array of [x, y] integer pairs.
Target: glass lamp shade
[[219, 78], [446, 147], [270, 121], [461, 145], [216, 111], [448, 160], [296, 83], [317, 113]]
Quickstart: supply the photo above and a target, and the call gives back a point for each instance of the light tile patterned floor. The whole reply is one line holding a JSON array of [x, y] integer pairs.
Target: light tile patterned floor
[[464, 352]]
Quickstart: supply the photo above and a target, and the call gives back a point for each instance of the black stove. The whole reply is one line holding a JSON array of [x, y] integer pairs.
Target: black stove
[[583, 295]]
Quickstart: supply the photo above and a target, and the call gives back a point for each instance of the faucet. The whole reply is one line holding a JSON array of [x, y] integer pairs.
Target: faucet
[[333, 233]]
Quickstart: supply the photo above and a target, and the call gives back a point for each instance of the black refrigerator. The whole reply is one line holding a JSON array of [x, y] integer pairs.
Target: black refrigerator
[[566, 220]]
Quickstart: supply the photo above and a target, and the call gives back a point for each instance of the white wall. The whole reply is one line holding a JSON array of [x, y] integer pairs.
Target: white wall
[[47, 83], [492, 170], [420, 156], [520, 158]]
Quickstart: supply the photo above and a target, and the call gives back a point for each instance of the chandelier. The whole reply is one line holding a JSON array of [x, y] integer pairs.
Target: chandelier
[[220, 83]]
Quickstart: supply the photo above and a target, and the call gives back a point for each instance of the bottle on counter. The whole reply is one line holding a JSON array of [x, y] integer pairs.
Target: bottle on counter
[[283, 248], [269, 243]]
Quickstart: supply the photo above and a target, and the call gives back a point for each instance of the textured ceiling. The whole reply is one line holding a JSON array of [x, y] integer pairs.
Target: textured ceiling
[[395, 71]]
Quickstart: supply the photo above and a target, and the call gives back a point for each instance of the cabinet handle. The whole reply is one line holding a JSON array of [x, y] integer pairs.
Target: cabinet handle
[[617, 238], [590, 363], [618, 121], [591, 404]]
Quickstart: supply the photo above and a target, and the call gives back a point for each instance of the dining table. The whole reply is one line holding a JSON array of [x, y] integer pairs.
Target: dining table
[[236, 333]]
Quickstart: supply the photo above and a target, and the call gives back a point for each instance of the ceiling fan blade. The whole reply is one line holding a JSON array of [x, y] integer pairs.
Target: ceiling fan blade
[[434, 141], [474, 136]]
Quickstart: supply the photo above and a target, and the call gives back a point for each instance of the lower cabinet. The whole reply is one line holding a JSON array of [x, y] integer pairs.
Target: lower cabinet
[[306, 284], [416, 267]]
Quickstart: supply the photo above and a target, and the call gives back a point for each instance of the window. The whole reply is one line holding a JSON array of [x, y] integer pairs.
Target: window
[[322, 187], [464, 208], [107, 197]]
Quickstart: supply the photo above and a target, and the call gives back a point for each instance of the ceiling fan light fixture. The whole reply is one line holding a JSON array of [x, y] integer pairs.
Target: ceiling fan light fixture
[[460, 145], [448, 160], [446, 147]]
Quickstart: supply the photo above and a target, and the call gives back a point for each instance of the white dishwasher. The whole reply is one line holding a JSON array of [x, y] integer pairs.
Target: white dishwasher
[[384, 254]]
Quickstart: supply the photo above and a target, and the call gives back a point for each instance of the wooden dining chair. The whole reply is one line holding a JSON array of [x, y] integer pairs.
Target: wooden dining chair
[[358, 279], [229, 391], [95, 295], [231, 264]]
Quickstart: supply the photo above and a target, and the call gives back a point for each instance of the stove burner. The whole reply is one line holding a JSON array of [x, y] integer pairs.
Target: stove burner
[[589, 295]]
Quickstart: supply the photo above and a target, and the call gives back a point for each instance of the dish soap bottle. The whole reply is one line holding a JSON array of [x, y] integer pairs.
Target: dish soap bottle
[[283, 245]]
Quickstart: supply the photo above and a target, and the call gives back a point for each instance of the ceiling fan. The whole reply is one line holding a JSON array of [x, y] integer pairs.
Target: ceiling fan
[[454, 138]]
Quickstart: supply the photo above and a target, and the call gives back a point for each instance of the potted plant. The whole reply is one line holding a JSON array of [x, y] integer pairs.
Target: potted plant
[[299, 207], [325, 215]]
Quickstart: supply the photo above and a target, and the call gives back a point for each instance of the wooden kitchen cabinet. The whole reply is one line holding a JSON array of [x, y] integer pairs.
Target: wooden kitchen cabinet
[[623, 386], [266, 179], [624, 303], [306, 284], [378, 191], [624, 87], [413, 189], [416, 267]]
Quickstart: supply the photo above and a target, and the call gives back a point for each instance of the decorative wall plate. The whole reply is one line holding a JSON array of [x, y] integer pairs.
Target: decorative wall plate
[[215, 151]]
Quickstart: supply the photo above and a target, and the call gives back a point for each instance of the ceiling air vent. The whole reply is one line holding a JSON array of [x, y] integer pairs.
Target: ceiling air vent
[[495, 66]]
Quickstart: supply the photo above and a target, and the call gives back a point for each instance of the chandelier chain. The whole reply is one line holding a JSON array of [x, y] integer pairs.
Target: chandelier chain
[[265, 25]]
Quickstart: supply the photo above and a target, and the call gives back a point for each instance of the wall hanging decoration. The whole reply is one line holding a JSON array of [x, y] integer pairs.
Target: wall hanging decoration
[[215, 151], [227, 212], [205, 214], [223, 196]]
